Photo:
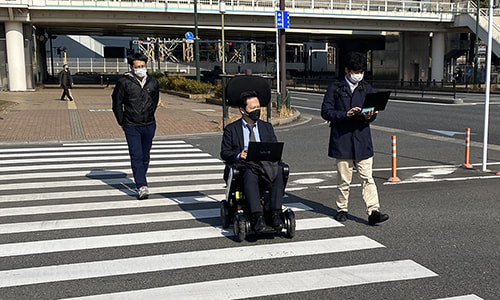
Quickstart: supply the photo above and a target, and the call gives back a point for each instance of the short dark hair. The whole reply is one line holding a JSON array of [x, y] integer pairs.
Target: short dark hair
[[136, 56], [356, 61], [244, 96]]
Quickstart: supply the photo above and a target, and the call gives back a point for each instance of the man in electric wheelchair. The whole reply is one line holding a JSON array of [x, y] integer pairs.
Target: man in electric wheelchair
[[261, 183]]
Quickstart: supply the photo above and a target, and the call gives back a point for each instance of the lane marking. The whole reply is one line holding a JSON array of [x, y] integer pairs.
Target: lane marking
[[465, 297], [47, 225], [281, 283], [100, 165], [106, 181], [110, 172], [309, 108], [183, 260], [98, 158], [141, 238], [99, 152], [109, 205], [108, 193], [93, 147], [120, 143]]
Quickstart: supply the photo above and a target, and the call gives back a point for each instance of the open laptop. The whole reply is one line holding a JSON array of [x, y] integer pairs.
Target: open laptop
[[264, 151], [376, 101]]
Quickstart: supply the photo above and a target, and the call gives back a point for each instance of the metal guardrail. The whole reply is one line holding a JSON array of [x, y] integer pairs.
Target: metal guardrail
[[390, 6]]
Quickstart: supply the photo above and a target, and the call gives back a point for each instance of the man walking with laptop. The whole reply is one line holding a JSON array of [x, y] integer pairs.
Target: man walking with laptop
[[237, 136], [350, 137]]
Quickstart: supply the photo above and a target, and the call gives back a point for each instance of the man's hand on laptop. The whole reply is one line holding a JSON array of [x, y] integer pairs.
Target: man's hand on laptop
[[243, 154]]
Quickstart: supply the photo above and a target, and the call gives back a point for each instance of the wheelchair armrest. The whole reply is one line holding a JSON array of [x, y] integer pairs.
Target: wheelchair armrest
[[286, 169]]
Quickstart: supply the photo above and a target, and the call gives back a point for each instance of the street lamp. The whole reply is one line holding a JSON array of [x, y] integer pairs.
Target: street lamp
[[222, 10]]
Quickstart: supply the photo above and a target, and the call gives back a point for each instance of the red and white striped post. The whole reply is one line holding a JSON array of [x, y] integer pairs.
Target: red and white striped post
[[467, 164], [393, 177]]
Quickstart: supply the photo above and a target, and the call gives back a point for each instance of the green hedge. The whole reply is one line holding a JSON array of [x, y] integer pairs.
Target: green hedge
[[182, 84]]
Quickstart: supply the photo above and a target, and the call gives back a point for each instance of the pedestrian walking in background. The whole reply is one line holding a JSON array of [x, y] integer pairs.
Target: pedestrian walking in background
[[135, 99], [66, 82], [350, 137]]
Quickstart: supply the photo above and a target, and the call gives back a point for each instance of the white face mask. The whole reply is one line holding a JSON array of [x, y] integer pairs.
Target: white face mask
[[141, 72], [355, 78]]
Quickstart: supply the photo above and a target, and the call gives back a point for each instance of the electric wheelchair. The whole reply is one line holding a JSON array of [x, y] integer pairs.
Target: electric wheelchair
[[234, 208]]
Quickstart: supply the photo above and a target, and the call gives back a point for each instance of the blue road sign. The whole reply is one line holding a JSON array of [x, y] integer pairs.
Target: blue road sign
[[282, 19], [189, 35]]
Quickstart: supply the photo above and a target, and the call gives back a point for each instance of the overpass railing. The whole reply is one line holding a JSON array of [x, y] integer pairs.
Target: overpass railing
[[242, 6]]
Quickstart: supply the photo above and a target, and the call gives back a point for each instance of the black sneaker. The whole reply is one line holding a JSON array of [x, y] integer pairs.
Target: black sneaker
[[259, 224], [376, 217], [341, 216], [277, 224]]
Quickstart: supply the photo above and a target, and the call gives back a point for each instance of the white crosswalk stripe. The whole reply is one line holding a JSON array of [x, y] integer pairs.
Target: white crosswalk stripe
[[63, 204]]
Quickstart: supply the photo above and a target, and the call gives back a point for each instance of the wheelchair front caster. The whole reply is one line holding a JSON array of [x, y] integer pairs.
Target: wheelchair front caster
[[289, 217], [224, 214], [241, 226]]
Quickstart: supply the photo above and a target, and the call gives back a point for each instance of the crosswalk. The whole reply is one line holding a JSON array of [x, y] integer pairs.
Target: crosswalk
[[68, 215]]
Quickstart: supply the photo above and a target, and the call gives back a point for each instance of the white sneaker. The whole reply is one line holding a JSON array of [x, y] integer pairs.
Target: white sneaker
[[143, 192]]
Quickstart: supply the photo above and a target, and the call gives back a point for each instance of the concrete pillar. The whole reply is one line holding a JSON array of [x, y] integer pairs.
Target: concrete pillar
[[14, 40], [437, 56]]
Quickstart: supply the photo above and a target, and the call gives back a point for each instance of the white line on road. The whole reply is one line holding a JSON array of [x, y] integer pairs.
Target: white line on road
[[106, 181], [309, 108], [141, 238], [102, 165], [282, 283], [90, 146], [109, 172], [97, 152], [182, 260], [109, 205], [108, 193], [97, 158], [47, 225]]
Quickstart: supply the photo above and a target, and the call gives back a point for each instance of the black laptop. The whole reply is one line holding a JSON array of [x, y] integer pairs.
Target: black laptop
[[376, 101], [264, 151]]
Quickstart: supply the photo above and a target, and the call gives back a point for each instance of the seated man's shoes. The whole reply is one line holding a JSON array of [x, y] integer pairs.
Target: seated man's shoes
[[377, 217], [259, 224], [277, 223], [341, 216]]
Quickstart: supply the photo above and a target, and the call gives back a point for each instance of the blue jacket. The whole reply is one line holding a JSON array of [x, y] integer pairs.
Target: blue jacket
[[350, 137]]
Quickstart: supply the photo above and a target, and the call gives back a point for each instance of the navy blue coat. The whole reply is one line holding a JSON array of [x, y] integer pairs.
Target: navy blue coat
[[350, 137]]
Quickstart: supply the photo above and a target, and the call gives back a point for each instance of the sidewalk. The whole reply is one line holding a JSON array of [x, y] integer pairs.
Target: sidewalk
[[36, 117], [41, 117]]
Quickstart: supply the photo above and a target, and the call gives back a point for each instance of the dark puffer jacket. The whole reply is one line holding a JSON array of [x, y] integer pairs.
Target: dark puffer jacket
[[134, 105], [350, 137]]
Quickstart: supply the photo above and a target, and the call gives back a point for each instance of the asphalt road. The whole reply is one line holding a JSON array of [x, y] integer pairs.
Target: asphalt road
[[70, 226]]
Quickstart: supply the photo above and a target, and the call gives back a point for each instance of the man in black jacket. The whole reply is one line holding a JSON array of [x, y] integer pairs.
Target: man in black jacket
[[65, 82], [135, 99], [234, 147]]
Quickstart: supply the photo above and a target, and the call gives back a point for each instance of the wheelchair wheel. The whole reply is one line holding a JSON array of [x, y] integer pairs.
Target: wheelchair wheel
[[225, 218], [240, 227], [289, 217]]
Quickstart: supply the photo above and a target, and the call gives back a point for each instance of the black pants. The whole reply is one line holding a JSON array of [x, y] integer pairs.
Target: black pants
[[66, 93], [252, 193]]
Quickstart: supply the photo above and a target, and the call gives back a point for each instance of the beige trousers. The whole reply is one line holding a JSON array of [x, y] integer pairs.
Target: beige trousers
[[369, 189]]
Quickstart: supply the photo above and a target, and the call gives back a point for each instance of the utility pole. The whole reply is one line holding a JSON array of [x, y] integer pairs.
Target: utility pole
[[282, 60], [196, 41], [476, 47]]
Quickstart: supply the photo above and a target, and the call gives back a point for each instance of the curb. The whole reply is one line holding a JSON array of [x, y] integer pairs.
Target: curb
[[287, 120]]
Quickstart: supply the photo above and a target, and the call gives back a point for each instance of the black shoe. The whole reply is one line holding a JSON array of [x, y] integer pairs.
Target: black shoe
[[70, 99], [259, 224], [376, 217], [277, 224], [341, 216]]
